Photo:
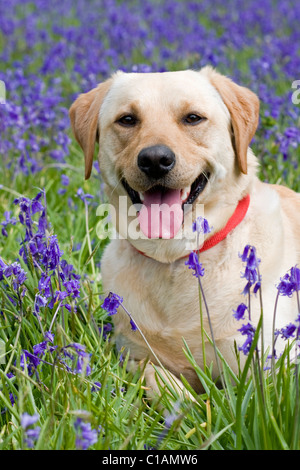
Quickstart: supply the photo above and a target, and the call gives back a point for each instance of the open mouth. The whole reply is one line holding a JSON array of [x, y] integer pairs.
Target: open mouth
[[187, 195], [161, 208]]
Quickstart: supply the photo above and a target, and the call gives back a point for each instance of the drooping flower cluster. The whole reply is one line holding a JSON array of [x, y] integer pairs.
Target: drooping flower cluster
[[253, 278], [42, 249], [111, 304], [200, 225], [194, 264], [58, 287], [31, 433], [290, 282], [8, 220], [31, 361], [80, 359], [17, 275], [251, 273], [73, 357], [85, 435]]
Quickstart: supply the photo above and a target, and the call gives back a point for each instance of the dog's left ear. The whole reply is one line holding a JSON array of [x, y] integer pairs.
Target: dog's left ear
[[243, 106], [84, 115]]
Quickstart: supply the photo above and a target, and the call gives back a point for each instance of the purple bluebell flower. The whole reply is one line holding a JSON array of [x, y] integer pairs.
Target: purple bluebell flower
[[247, 330], [85, 435], [31, 434], [34, 360], [9, 220], [76, 352], [28, 420], [107, 328], [39, 349], [201, 225], [239, 313], [84, 196], [133, 325], [251, 273], [15, 272], [36, 205], [111, 303], [290, 282], [194, 264], [40, 301], [45, 285], [288, 331], [49, 336], [96, 387], [65, 180]]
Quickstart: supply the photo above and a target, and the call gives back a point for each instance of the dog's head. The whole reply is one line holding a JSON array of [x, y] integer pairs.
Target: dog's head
[[170, 139]]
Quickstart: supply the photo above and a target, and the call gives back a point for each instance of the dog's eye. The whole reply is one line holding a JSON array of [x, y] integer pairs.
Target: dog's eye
[[127, 120], [193, 119]]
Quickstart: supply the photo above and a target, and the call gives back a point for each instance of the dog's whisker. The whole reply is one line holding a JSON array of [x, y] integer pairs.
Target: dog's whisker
[[116, 186]]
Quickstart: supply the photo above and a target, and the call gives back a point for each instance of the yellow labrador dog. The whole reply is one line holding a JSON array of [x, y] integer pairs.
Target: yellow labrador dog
[[180, 141]]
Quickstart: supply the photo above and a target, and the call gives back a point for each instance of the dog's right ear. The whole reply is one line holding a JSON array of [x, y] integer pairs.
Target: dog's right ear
[[84, 116]]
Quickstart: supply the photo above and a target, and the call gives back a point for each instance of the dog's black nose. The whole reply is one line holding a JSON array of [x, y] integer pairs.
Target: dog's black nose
[[156, 161]]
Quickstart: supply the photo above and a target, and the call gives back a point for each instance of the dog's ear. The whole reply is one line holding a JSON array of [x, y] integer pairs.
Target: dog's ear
[[84, 115], [243, 106]]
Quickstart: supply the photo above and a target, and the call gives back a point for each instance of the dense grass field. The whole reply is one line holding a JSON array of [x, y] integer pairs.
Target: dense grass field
[[63, 385]]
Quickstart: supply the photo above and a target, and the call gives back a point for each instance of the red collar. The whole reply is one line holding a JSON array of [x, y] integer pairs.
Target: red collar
[[236, 218]]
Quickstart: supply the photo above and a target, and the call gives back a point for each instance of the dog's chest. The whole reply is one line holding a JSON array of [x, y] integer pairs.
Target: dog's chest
[[164, 298]]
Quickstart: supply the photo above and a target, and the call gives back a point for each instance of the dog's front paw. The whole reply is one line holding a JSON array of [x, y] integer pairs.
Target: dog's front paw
[[159, 380]]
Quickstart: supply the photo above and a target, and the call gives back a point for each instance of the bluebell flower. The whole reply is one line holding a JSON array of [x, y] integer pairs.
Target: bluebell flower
[[84, 196], [85, 435], [40, 301], [133, 325], [31, 434], [288, 331], [247, 330], [8, 221], [39, 349], [107, 328], [290, 282], [239, 313], [34, 360], [194, 264], [28, 420], [201, 225], [96, 387], [111, 303], [65, 180], [251, 273], [80, 360], [14, 272]]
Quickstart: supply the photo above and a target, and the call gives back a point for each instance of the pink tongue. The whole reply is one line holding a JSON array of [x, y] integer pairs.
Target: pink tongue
[[161, 214]]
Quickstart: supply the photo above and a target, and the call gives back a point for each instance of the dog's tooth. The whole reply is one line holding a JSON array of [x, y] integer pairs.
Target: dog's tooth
[[141, 196], [185, 193]]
